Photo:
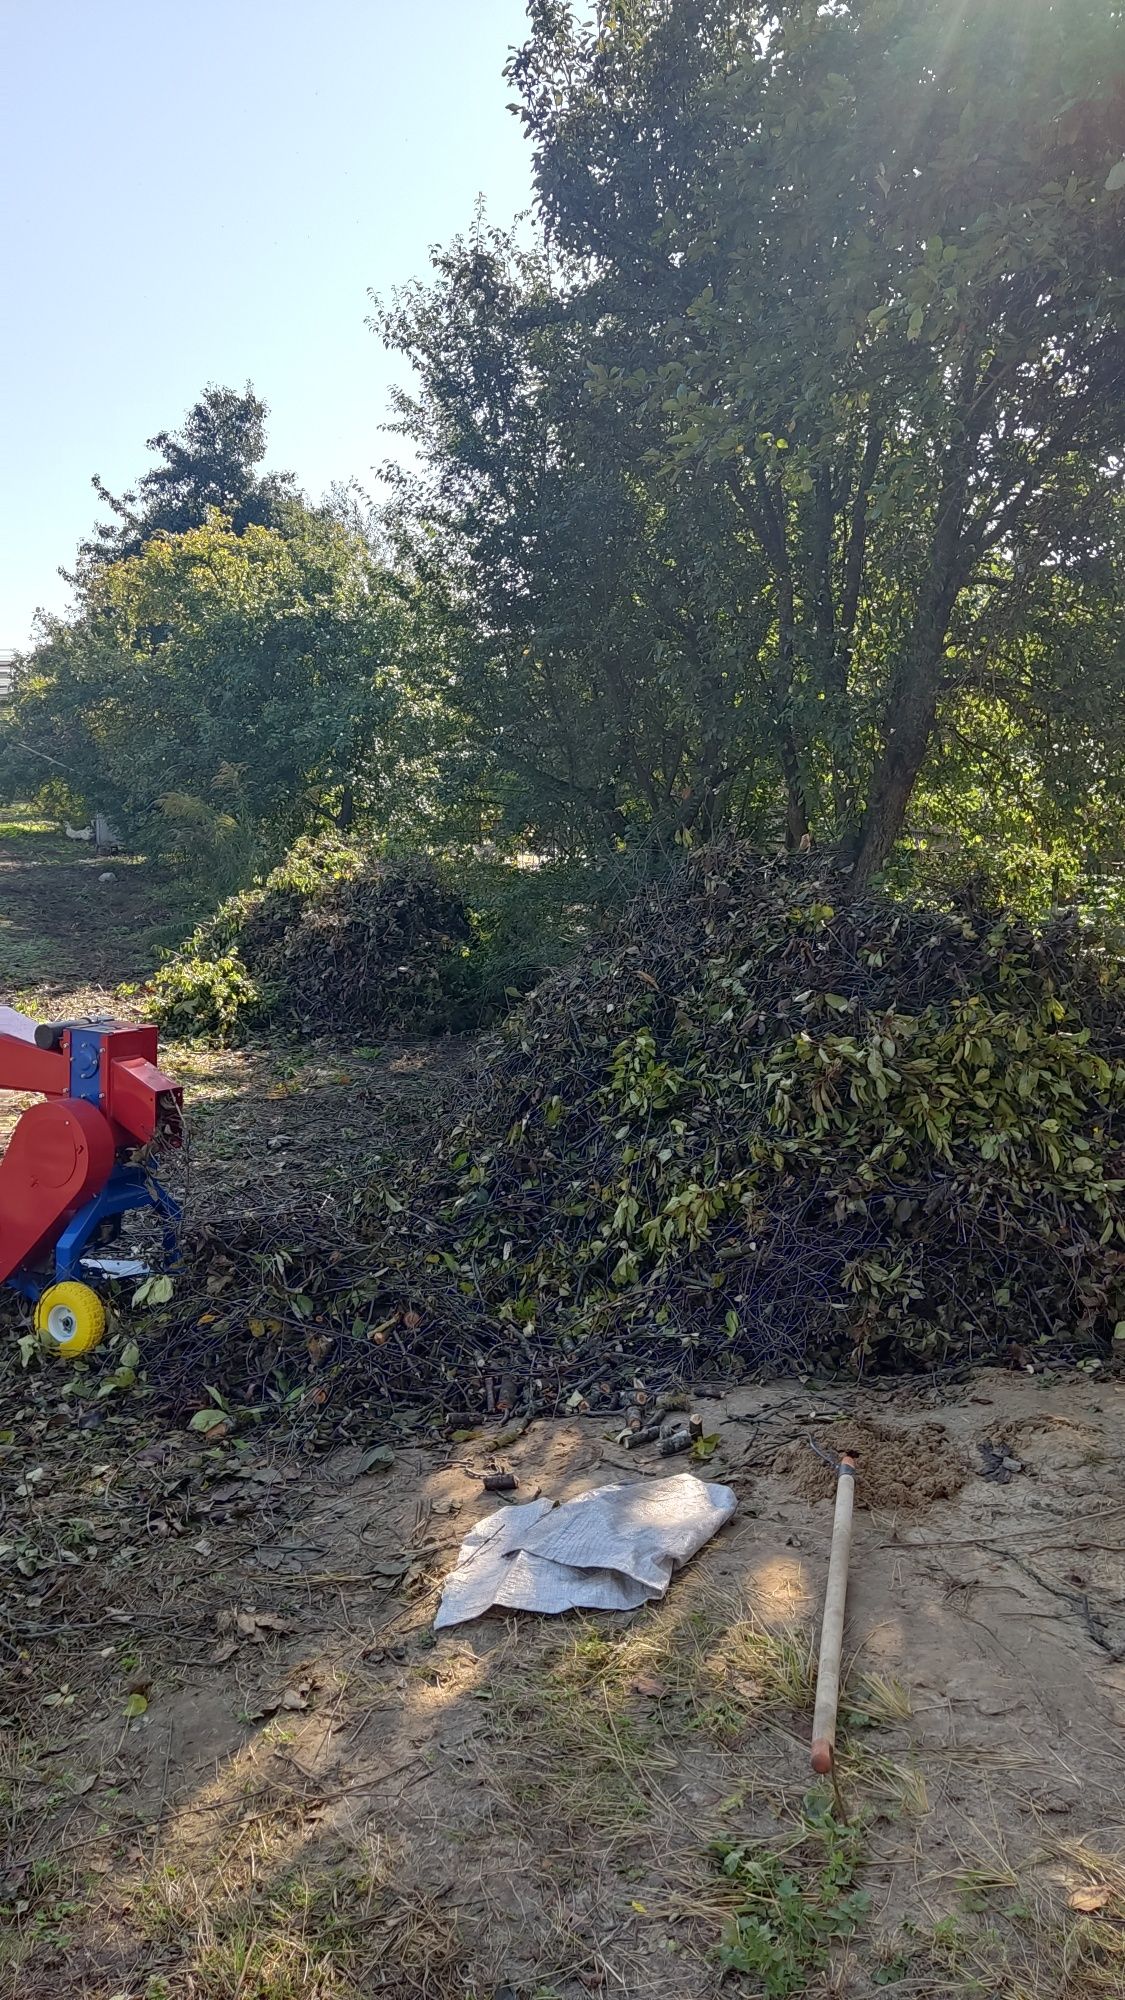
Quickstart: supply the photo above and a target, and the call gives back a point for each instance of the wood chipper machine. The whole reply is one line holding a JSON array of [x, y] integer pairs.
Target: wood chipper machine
[[80, 1161]]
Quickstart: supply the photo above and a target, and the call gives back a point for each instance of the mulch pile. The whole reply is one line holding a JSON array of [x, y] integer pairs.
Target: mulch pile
[[762, 1125], [336, 941]]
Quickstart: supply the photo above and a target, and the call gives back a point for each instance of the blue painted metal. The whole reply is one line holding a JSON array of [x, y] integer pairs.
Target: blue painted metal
[[26, 1284], [86, 1063], [126, 1188]]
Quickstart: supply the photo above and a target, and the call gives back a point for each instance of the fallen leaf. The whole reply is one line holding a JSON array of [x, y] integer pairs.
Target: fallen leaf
[[1089, 1899], [223, 1651], [295, 1698], [256, 1711], [211, 1420], [255, 1624], [380, 1458], [644, 1684]]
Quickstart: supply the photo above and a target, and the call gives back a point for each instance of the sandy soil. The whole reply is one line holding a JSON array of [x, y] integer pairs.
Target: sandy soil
[[299, 1719]]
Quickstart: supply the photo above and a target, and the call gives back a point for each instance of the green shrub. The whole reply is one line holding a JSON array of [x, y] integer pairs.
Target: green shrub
[[344, 937], [336, 939], [207, 997]]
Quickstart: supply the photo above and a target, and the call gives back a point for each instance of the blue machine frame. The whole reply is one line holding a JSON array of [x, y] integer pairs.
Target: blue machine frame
[[126, 1188]]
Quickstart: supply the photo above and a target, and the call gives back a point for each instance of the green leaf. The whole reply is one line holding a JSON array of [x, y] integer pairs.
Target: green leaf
[[208, 1420], [1115, 179], [914, 323], [135, 1704]]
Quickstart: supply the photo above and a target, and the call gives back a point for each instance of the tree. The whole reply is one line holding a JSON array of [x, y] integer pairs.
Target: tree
[[863, 265], [607, 630], [253, 672], [211, 462], [1023, 776]]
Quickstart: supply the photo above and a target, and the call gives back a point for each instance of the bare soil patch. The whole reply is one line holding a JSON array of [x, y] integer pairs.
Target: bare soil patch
[[909, 1468], [312, 1796]]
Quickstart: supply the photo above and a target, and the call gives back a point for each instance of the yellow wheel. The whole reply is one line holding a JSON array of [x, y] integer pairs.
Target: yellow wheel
[[70, 1318]]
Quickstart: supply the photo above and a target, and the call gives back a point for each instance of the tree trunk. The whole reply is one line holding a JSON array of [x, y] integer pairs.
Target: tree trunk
[[913, 698], [766, 522], [911, 713], [904, 753], [796, 809]]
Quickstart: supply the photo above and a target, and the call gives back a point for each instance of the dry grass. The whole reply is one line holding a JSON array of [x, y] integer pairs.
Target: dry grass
[[593, 1725], [878, 1698], [312, 1931], [1030, 1955], [262, 1908], [1014, 1934]]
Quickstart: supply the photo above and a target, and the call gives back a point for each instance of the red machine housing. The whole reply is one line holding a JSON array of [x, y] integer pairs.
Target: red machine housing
[[105, 1098]]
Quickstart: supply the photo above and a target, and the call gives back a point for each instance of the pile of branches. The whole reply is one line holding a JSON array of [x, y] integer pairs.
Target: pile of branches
[[761, 1125], [336, 940]]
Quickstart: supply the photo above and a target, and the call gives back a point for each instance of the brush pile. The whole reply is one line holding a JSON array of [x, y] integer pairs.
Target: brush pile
[[335, 941], [758, 1125]]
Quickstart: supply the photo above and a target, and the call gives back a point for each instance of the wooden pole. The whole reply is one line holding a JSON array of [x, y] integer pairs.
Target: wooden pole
[[832, 1630]]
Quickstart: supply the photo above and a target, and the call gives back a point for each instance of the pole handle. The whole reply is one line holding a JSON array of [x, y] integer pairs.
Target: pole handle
[[832, 1628]]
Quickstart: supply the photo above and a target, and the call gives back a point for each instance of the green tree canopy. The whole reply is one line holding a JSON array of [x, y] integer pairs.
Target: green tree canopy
[[255, 672], [864, 263], [774, 469], [211, 462], [608, 628]]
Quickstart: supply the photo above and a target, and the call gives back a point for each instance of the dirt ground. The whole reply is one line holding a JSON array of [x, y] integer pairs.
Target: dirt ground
[[64, 931], [272, 1125], [316, 1796], [236, 1763]]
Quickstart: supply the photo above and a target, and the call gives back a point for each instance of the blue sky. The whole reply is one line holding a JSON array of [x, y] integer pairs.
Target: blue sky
[[206, 193]]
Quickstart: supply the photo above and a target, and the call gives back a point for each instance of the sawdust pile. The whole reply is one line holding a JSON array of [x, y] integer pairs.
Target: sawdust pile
[[897, 1468]]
